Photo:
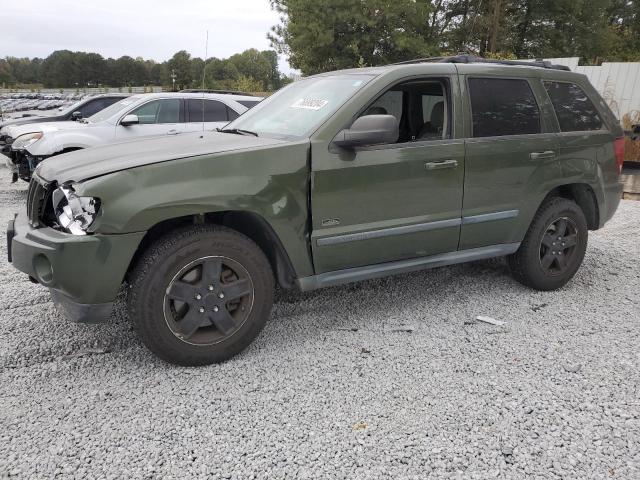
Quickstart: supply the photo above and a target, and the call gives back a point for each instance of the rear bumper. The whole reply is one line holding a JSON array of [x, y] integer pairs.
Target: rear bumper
[[613, 195], [84, 273]]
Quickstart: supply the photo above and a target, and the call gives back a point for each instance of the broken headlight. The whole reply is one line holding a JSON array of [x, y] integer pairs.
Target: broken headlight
[[26, 140], [75, 214]]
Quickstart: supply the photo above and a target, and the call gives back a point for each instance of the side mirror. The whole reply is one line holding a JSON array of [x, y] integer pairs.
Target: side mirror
[[369, 130], [129, 120], [76, 115]]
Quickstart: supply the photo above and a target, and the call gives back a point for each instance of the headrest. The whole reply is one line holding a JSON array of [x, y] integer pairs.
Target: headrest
[[437, 115]]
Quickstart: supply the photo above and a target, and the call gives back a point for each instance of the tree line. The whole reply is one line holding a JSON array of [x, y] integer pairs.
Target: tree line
[[251, 70], [326, 35], [333, 34]]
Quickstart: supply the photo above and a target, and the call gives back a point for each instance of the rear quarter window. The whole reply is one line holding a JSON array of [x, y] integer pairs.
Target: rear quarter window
[[503, 106], [248, 103], [574, 110]]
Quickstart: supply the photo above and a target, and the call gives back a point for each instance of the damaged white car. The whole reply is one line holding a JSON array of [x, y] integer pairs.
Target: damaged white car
[[134, 117]]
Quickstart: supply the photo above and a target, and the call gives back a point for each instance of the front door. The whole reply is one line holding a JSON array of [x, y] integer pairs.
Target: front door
[[396, 201], [157, 117]]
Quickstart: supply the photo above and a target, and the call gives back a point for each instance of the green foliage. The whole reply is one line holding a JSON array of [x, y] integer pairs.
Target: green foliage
[[64, 68], [248, 84], [333, 34], [180, 66]]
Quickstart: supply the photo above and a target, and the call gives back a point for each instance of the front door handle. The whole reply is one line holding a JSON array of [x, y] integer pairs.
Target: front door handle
[[542, 155], [442, 164], [173, 132]]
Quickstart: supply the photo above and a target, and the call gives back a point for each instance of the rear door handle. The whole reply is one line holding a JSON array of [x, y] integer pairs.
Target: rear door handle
[[541, 155], [173, 132], [442, 164]]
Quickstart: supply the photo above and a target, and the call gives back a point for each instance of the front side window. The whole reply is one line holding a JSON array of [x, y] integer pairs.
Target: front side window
[[420, 107], [501, 106], [301, 107], [574, 110], [158, 111], [213, 111]]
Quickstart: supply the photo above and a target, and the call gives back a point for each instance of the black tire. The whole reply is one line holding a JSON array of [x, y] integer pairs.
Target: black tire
[[155, 312], [541, 246]]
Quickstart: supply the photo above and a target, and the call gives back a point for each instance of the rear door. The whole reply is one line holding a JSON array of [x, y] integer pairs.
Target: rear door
[[584, 139], [211, 113], [511, 146]]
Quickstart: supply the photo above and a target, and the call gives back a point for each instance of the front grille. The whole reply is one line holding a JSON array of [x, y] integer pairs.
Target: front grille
[[37, 197]]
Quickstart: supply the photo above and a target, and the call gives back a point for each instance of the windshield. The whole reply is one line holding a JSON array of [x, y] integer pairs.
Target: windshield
[[72, 108], [113, 109], [300, 108]]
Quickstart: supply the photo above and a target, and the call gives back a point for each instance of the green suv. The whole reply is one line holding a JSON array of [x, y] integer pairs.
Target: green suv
[[339, 177]]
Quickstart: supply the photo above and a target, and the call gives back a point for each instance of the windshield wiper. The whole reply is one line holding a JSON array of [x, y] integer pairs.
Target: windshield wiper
[[237, 131]]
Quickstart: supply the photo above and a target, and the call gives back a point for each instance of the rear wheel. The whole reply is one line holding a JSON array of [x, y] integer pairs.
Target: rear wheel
[[553, 248], [201, 295]]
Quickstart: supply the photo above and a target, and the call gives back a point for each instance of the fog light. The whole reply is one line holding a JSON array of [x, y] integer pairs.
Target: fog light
[[43, 269]]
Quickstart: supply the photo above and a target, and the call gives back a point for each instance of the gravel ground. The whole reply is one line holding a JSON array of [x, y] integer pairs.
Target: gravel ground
[[386, 379]]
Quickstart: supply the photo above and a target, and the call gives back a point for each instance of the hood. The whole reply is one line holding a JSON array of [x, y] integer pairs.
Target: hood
[[40, 117], [16, 130], [97, 161]]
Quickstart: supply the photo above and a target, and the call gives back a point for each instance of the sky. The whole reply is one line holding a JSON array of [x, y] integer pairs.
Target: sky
[[152, 29]]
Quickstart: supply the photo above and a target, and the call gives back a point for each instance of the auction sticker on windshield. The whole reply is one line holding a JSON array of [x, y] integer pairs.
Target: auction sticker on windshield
[[310, 103]]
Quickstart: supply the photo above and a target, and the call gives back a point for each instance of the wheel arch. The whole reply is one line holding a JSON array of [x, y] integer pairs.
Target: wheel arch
[[249, 224], [584, 195]]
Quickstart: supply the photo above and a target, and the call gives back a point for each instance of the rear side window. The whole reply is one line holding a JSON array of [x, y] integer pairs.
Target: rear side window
[[503, 106], [575, 112], [232, 114], [213, 111]]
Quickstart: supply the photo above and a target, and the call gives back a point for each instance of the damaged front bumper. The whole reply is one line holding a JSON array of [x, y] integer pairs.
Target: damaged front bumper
[[7, 156], [25, 163], [83, 273]]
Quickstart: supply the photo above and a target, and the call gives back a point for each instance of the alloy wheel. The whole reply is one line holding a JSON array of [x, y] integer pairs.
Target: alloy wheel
[[558, 246], [208, 300]]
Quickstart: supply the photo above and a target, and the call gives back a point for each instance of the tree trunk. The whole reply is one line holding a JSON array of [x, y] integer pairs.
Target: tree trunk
[[494, 27]]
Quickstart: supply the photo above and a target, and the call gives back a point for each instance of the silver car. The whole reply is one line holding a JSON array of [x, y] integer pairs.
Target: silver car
[[137, 116]]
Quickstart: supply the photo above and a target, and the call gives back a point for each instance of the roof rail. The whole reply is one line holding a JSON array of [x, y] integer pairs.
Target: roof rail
[[224, 92], [466, 58]]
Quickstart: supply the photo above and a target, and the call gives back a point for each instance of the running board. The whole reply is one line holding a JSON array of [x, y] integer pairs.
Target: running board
[[368, 272]]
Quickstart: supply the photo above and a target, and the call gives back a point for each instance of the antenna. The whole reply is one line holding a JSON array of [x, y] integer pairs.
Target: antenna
[[204, 73]]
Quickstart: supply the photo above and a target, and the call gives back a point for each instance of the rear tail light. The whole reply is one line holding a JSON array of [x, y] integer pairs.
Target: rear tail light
[[618, 147]]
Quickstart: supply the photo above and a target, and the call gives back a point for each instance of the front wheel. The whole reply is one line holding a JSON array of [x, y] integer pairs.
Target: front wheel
[[553, 248], [201, 295]]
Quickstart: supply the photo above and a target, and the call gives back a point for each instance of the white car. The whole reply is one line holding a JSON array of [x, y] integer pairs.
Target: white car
[[137, 116]]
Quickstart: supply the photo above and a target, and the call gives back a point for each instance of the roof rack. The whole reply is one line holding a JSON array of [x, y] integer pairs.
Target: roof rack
[[224, 92], [466, 58]]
